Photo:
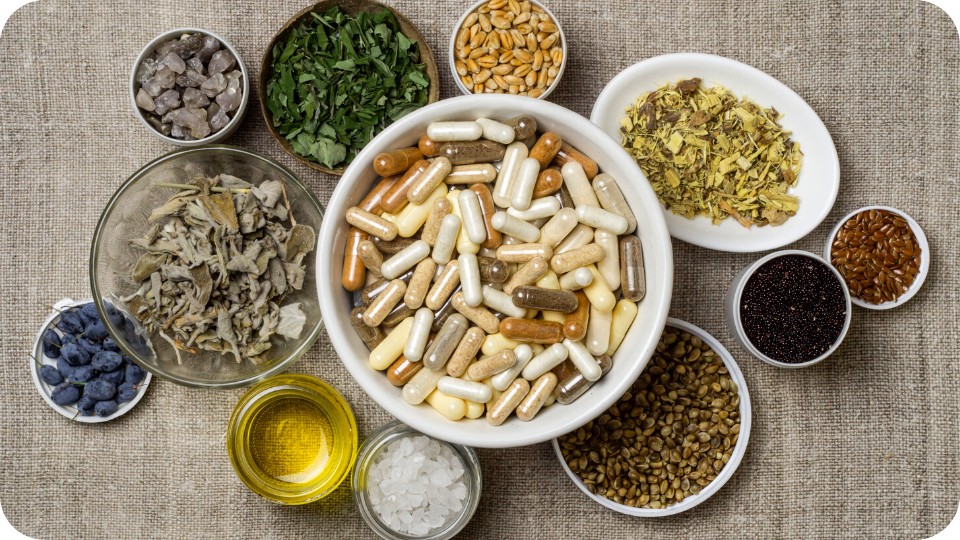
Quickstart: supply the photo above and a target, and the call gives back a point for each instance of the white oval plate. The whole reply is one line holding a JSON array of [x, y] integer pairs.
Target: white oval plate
[[45, 389], [819, 178]]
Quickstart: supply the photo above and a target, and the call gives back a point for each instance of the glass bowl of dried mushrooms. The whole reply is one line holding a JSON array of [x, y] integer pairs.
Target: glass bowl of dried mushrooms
[[203, 267]]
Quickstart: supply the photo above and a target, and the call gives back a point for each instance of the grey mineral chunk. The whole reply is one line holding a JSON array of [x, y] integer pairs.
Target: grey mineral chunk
[[210, 46], [185, 47], [174, 62], [152, 86], [166, 77], [158, 125], [146, 69], [221, 61], [166, 101], [145, 100], [229, 99], [191, 79], [214, 85], [177, 131], [195, 64], [200, 130], [194, 99], [219, 120]]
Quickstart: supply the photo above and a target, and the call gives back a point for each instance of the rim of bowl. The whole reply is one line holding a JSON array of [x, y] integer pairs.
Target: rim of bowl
[[307, 342], [213, 137], [372, 446], [735, 306], [45, 388], [746, 420], [924, 257], [334, 300], [451, 53]]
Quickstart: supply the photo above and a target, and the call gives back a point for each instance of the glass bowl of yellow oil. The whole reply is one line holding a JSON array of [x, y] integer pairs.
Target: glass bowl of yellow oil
[[292, 439]]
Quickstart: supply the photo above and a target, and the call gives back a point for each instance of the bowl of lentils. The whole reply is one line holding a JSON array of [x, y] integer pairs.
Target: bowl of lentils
[[189, 87], [790, 309]]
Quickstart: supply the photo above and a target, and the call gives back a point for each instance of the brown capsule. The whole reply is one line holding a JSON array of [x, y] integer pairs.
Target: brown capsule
[[493, 270], [395, 199], [371, 202], [375, 287], [523, 125], [632, 279], [479, 315], [396, 161], [568, 153], [531, 330], [548, 183], [487, 208], [401, 371], [441, 208], [392, 247], [546, 148], [354, 273], [466, 351], [575, 385], [441, 315], [428, 147], [575, 325], [370, 256], [420, 283], [541, 299], [469, 152], [371, 335], [398, 314]]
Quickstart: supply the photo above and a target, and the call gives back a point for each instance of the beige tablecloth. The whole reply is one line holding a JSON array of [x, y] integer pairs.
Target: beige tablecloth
[[865, 443]]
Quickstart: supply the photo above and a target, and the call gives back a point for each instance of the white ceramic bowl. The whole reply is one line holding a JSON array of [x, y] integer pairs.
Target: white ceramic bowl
[[633, 354], [746, 419], [819, 178], [924, 257], [731, 308], [227, 130], [45, 389], [451, 50]]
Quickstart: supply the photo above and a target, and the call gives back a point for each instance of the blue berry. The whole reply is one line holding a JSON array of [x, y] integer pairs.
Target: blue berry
[[74, 355], [107, 360], [100, 389], [65, 394], [85, 405], [105, 408], [82, 374], [50, 375], [64, 368], [126, 392], [95, 331], [88, 346], [66, 339], [88, 313], [135, 374], [116, 376], [115, 315], [110, 345], [70, 322], [51, 343]]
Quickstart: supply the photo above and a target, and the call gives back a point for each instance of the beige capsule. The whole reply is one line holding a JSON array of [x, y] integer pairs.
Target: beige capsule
[[491, 365], [443, 287], [465, 352], [528, 273], [371, 223], [479, 315], [420, 283], [381, 306], [370, 256], [580, 236], [500, 410], [521, 253], [576, 258], [535, 399], [441, 208]]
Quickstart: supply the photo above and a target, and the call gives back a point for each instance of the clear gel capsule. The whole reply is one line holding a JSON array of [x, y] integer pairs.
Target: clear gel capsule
[[465, 352], [599, 218], [472, 216], [371, 335], [419, 334], [446, 342], [500, 410], [470, 279], [544, 207], [575, 384], [507, 224], [502, 380], [400, 372], [551, 357], [420, 386], [405, 259], [493, 270], [440, 316], [632, 277], [540, 391], [542, 299], [370, 256], [391, 347], [524, 184], [446, 239], [454, 131], [354, 272], [393, 246], [496, 131], [506, 179], [399, 313], [470, 152], [568, 154], [611, 199], [578, 185], [524, 125], [623, 315], [467, 390], [371, 224], [609, 265]]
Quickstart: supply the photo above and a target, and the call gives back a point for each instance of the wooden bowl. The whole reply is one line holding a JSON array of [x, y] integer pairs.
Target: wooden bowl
[[352, 8]]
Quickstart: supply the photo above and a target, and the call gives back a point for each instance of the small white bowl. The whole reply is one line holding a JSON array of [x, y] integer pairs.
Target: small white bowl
[[731, 308], [227, 130], [45, 389], [924, 257], [451, 56], [746, 419], [819, 178]]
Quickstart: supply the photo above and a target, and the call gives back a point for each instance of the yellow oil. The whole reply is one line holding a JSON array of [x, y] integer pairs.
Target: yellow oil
[[291, 440]]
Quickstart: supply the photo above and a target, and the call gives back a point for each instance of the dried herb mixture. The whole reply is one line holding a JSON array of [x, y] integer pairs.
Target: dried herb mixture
[[708, 152], [217, 264]]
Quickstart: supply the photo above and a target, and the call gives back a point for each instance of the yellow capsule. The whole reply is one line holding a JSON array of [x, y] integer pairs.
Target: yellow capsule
[[391, 347], [475, 410], [451, 408], [624, 314], [599, 293], [495, 343], [413, 216]]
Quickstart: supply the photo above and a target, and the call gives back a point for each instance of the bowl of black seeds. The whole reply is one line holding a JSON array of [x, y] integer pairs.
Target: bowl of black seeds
[[789, 309]]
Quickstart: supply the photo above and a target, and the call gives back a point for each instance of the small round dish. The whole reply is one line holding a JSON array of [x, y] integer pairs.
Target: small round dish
[[218, 136], [452, 49], [746, 419], [731, 309], [819, 179], [397, 430], [924, 257], [45, 389]]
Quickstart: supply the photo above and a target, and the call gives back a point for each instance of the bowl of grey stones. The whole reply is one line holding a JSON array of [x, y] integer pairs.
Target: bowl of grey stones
[[189, 87]]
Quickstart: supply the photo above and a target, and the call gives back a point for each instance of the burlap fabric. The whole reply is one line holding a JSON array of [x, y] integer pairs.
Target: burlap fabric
[[865, 444]]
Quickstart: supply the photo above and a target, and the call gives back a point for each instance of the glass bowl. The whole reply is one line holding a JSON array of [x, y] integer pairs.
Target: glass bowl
[[372, 447], [112, 259]]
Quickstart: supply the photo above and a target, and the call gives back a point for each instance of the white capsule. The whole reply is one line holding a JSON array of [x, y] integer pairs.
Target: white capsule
[[515, 227], [609, 265], [419, 334], [470, 279], [544, 207], [523, 186], [580, 236], [454, 131], [468, 390], [559, 226], [578, 185], [405, 259], [598, 331], [446, 239], [575, 280], [472, 216], [502, 302], [497, 131], [599, 218], [464, 245], [502, 380], [585, 363], [506, 179], [545, 361], [419, 387]]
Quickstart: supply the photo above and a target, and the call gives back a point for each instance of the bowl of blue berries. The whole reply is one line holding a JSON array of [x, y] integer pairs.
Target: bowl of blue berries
[[79, 370]]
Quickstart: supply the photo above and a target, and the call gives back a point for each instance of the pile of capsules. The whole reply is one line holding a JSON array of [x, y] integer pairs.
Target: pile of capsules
[[442, 268]]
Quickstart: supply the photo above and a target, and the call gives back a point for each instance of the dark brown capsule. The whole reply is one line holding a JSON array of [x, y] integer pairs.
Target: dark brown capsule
[[542, 299], [632, 278], [469, 152], [392, 247], [371, 335], [371, 202], [575, 385]]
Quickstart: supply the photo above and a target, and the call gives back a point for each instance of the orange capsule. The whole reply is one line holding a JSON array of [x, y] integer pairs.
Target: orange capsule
[[428, 147], [354, 272], [532, 330], [371, 202], [395, 199], [546, 148], [568, 153], [575, 324], [487, 208], [548, 183], [401, 371], [396, 161]]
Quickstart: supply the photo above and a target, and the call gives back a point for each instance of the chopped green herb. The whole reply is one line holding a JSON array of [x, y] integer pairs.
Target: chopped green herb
[[337, 81]]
